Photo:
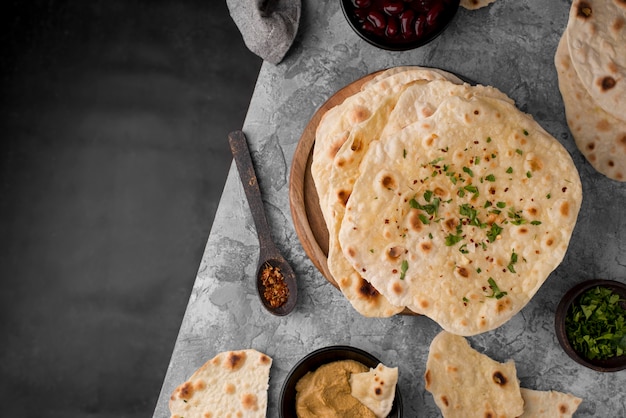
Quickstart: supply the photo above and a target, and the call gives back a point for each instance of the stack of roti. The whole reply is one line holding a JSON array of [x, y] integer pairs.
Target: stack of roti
[[441, 198], [465, 383], [233, 383], [591, 66]]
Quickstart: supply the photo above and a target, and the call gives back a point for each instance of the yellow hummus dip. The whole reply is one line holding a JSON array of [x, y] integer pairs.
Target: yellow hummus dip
[[326, 392]]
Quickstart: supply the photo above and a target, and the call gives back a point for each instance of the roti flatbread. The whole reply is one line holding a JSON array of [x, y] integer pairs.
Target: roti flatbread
[[463, 215], [548, 404], [466, 384], [596, 37], [376, 388], [417, 101], [233, 383], [599, 136]]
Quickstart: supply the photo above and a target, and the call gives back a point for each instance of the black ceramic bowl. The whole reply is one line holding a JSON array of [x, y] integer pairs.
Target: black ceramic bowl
[[399, 25], [612, 364], [318, 358]]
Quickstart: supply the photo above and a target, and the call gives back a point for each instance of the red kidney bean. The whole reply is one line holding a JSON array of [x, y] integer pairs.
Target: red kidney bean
[[393, 27], [393, 7], [377, 19], [406, 22], [433, 13], [420, 25], [362, 3], [368, 27]]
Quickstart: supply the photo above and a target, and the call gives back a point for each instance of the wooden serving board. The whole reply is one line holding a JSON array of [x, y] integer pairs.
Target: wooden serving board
[[305, 208]]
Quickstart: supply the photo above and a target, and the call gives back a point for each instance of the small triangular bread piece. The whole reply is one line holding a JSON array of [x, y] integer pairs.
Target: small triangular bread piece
[[548, 404], [233, 383], [376, 388], [466, 384]]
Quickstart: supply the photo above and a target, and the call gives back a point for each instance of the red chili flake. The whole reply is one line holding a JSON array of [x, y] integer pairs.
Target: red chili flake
[[276, 291]]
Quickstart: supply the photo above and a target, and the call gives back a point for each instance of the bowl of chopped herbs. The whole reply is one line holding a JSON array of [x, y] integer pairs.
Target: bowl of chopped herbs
[[591, 324]]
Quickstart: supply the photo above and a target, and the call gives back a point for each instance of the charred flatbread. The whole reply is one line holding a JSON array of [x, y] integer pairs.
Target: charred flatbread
[[376, 388], [596, 38], [466, 384], [548, 404], [600, 136], [463, 215], [233, 383]]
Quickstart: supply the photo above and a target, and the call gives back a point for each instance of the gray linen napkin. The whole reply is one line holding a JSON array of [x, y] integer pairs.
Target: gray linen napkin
[[268, 27]]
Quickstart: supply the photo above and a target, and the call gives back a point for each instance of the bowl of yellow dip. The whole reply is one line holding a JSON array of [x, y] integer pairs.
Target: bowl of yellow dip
[[318, 385]]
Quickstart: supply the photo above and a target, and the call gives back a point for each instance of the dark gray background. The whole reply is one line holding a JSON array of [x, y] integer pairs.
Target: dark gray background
[[113, 156]]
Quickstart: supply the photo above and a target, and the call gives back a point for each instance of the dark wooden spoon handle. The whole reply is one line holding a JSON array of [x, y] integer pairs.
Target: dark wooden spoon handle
[[247, 174]]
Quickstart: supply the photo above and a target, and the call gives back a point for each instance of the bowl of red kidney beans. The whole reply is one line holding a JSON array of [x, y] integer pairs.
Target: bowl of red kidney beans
[[399, 25]]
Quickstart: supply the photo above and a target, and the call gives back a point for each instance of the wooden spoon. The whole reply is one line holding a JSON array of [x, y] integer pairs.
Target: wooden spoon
[[269, 256]]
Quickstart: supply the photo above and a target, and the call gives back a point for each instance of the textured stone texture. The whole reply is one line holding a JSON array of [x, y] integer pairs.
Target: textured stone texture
[[509, 45]]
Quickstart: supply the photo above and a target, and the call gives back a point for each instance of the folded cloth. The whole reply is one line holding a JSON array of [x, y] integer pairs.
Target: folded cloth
[[268, 27]]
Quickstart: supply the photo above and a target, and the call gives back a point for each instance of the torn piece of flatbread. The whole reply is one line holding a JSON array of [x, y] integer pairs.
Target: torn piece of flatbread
[[548, 404], [233, 383], [376, 388], [467, 384]]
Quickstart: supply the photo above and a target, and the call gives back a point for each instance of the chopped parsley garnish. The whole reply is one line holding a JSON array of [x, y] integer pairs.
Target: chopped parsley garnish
[[519, 151], [452, 239], [509, 170], [404, 268], [497, 293], [472, 189], [596, 324], [529, 174], [493, 233], [468, 171], [490, 177], [501, 205], [512, 262], [516, 217]]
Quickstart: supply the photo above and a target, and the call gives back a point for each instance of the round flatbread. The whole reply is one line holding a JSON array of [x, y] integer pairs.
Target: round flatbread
[[467, 384], [418, 101], [233, 383], [463, 215], [599, 136], [596, 34]]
